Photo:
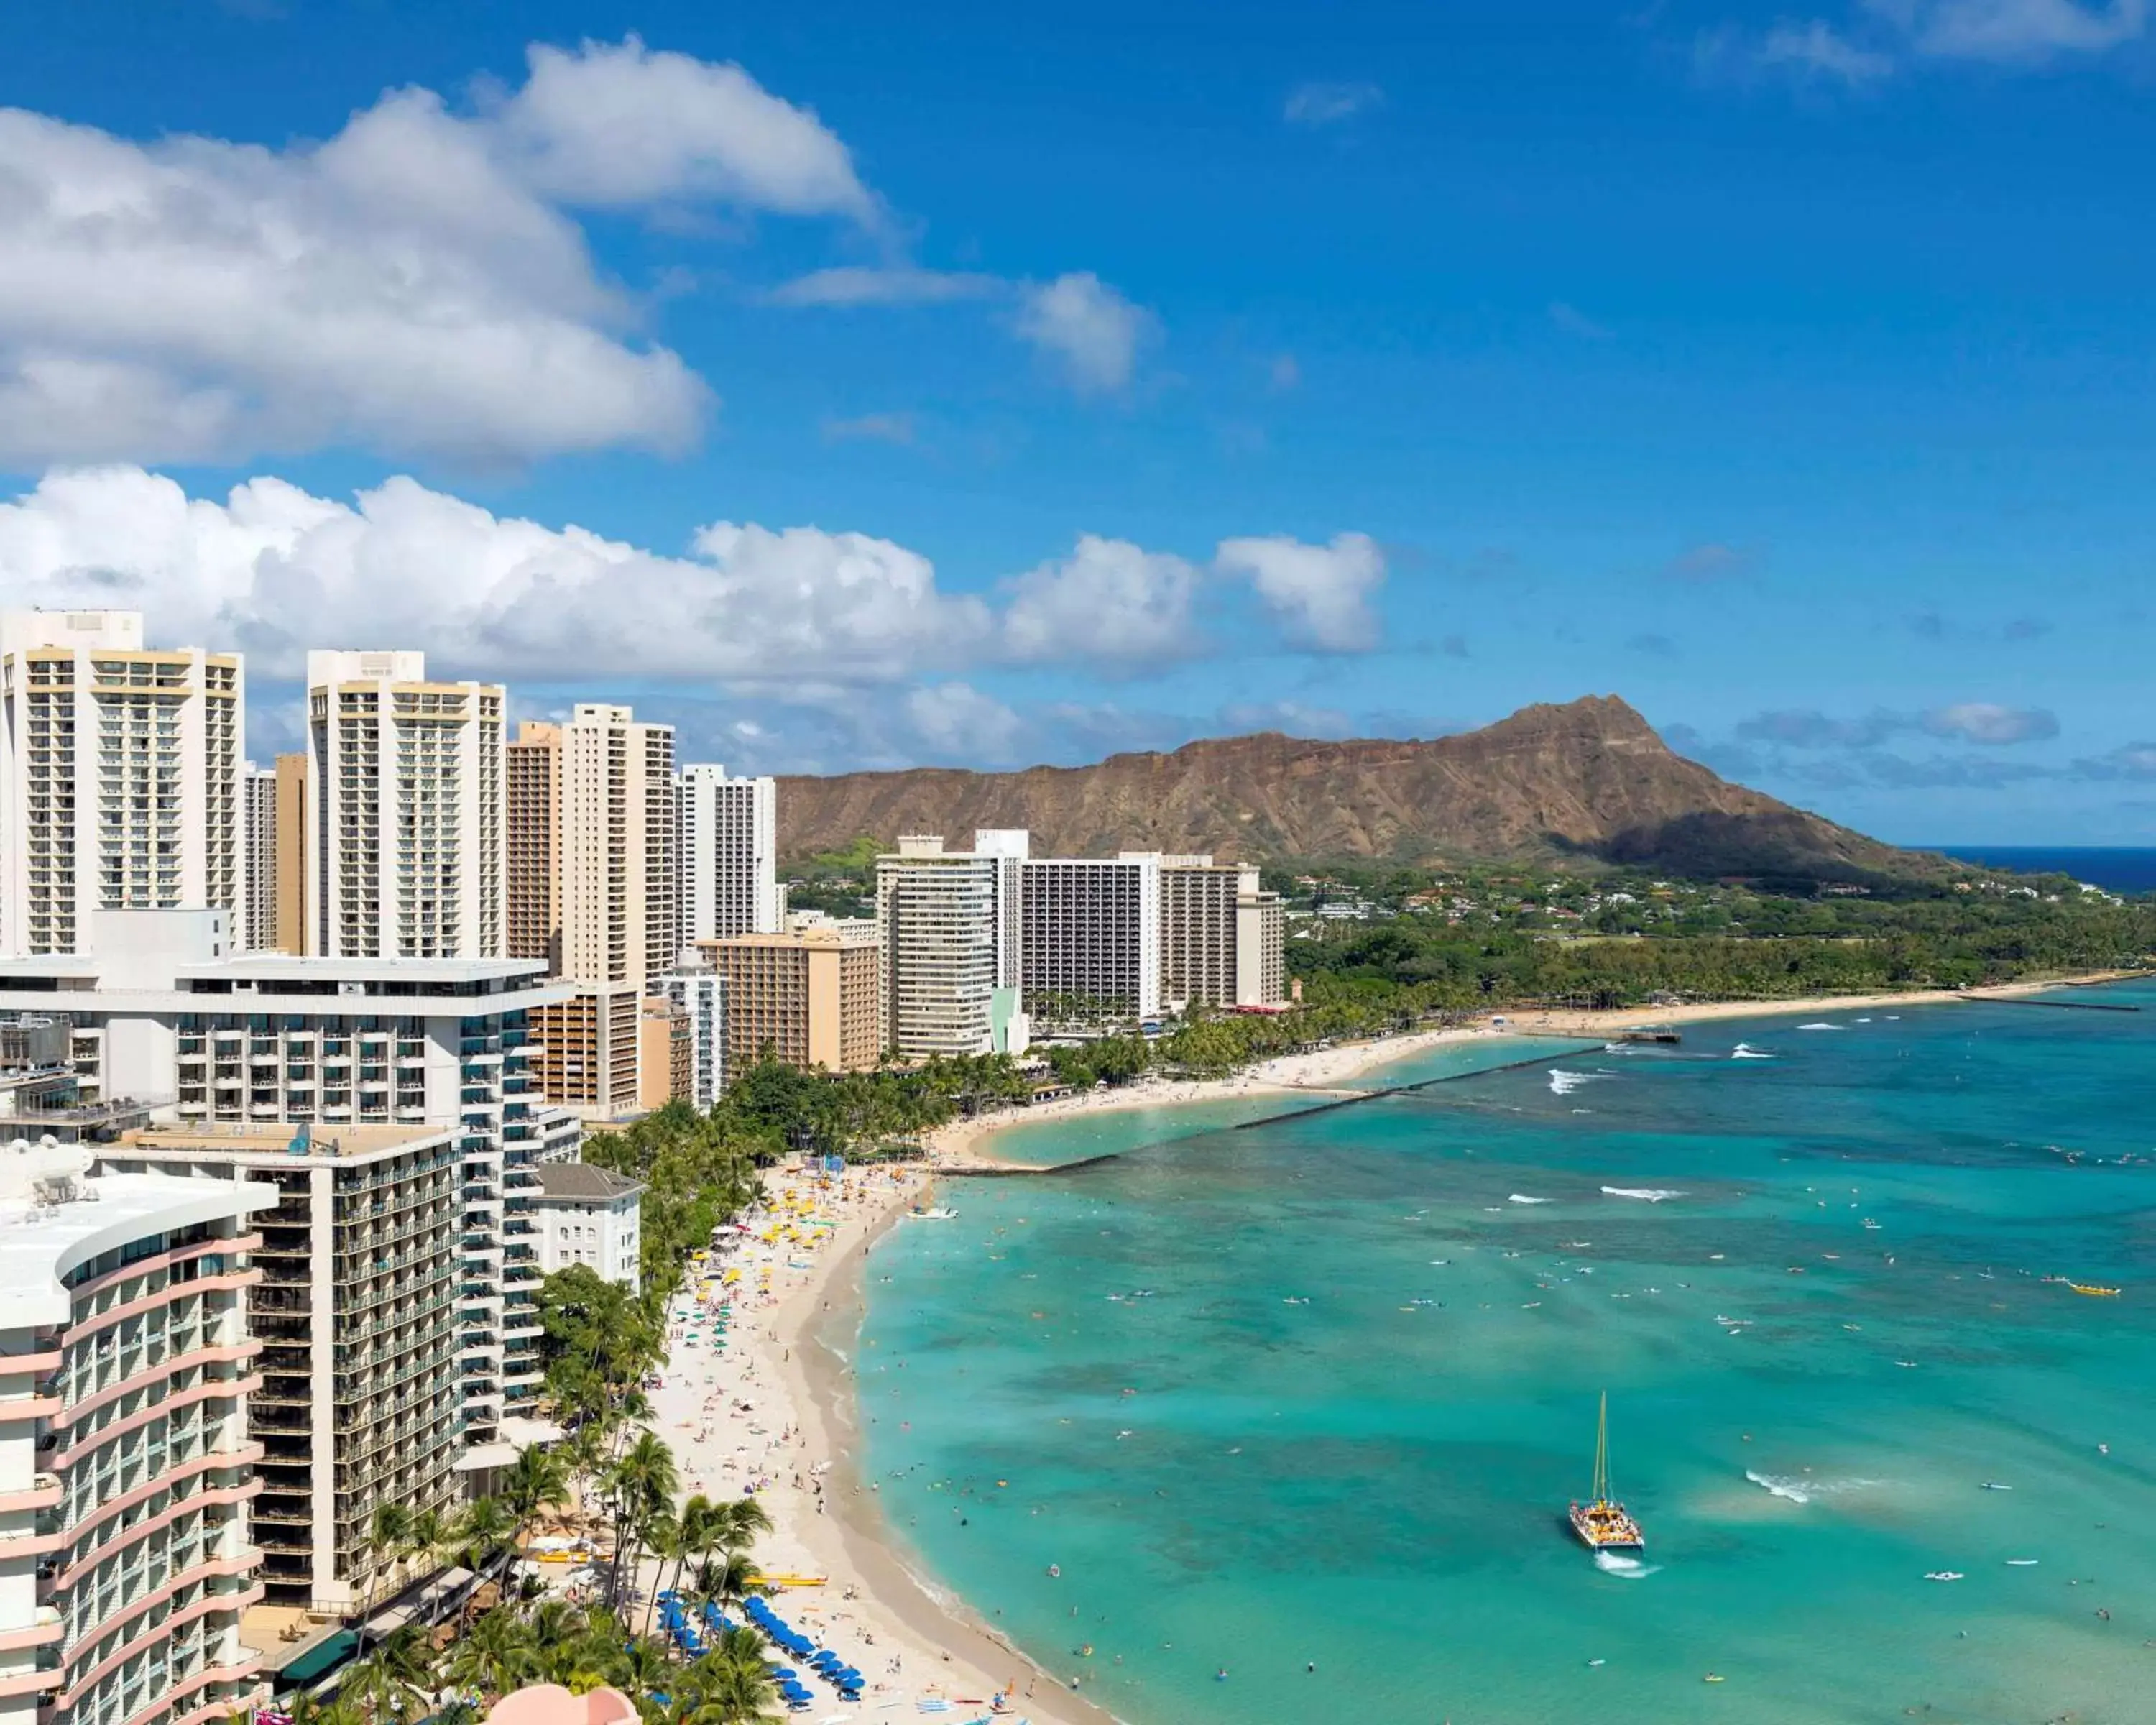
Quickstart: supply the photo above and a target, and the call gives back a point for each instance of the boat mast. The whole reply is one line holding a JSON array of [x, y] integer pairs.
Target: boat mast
[[1602, 1452]]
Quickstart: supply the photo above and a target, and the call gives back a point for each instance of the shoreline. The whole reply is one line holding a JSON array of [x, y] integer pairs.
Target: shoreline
[[788, 1365], [1328, 1071], [785, 1379]]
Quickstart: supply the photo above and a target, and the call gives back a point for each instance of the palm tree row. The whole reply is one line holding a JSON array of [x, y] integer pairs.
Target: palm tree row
[[580, 1648]]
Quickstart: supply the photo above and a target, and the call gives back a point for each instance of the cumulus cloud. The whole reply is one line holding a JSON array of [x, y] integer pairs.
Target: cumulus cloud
[[1882, 36], [616, 126], [415, 283], [1319, 104], [1977, 721], [2013, 31], [1090, 331], [1816, 49], [887, 284], [1109, 600], [1984, 721], [1322, 594], [274, 570], [2129, 761], [804, 613], [957, 722]]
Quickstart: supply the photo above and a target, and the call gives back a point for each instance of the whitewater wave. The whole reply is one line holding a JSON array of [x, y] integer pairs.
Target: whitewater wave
[[1821, 1026], [1563, 1083], [1806, 1489], [1745, 1051], [1610, 1563], [1649, 1194], [1523, 1198]]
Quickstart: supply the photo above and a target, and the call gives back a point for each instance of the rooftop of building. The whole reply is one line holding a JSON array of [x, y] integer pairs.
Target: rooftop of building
[[54, 1218], [342, 1142], [583, 1179]]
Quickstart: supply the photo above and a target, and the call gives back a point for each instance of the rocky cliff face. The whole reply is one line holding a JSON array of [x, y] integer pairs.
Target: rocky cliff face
[[1588, 779]]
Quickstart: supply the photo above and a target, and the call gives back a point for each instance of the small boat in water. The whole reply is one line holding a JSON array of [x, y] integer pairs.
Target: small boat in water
[[2093, 1289], [1603, 1523]]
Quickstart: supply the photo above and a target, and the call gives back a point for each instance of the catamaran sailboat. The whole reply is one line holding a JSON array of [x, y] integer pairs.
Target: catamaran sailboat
[[1602, 1523]]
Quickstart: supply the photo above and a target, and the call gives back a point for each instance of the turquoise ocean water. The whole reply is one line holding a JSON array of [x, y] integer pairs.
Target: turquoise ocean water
[[1114, 1372]]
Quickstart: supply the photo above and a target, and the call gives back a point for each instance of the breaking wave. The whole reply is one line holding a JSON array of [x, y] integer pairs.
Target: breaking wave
[[1651, 1195], [1821, 1026], [1806, 1489], [1745, 1051], [1523, 1198], [1563, 1083]]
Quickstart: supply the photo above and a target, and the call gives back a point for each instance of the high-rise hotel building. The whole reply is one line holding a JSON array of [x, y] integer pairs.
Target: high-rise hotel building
[[948, 936], [359, 1402], [534, 830], [405, 803], [1089, 949], [619, 925], [1221, 935], [258, 912], [127, 1465], [729, 856], [120, 775]]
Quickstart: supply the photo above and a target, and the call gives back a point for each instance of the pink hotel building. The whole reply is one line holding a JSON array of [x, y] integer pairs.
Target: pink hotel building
[[126, 1465]]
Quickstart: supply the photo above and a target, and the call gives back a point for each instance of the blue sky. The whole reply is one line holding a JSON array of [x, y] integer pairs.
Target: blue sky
[[869, 385]]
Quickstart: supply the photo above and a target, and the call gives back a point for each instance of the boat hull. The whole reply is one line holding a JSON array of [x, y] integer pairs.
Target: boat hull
[[1605, 1527]]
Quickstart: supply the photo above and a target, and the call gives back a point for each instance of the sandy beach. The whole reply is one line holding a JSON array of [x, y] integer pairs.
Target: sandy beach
[[773, 1409]]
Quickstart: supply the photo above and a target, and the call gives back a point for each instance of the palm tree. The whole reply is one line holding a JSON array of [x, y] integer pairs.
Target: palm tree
[[727, 1580], [662, 1531], [740, 1523], [485, 1532], [496, 1655], [538, 1476], [730, 1683], [387, 1532], [641, 1483]]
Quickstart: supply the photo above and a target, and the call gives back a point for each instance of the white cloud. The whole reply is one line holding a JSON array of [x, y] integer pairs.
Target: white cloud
[[896, 284], [1987, 722], [1320, 593], [1109, 601], [274, 570], [411, 284], [2013, 30], [617, 125], [957, 721], [1091, 330], [801, 615], [1815, 49], [1328, 104], [877, 428], [1882, 35]]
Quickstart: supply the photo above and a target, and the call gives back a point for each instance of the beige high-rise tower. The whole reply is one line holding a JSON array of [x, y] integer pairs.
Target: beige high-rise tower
[[617, 863], [119, 777], [535, 843], [291, 927], [618, 882], [405, 800]]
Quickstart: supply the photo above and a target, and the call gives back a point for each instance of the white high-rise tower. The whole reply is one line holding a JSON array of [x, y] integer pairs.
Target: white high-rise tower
[[120, 775], [405, 797], [729, 856]]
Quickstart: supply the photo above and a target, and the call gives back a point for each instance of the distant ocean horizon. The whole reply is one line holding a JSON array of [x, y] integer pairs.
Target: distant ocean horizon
[[2115, 868]]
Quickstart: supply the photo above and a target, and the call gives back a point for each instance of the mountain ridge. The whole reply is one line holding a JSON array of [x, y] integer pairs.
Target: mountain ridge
[[1588, 779]]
